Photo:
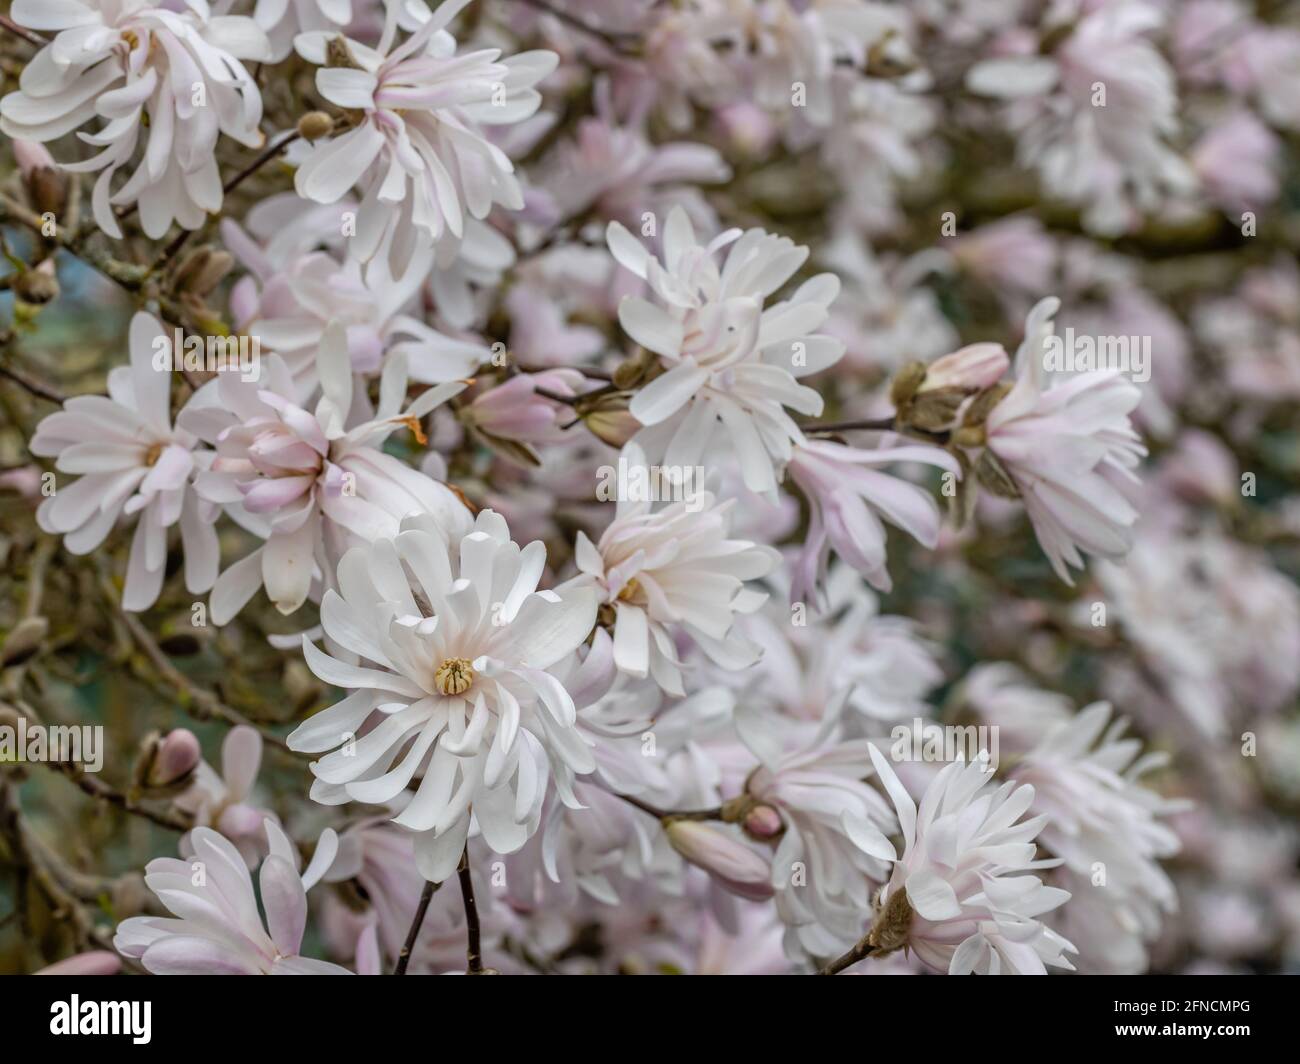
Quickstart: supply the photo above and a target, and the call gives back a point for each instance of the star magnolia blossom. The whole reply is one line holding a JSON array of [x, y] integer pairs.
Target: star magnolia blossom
[[131, 461], [955, 898], [731, 364], [175, 77], [460, 641], [831, 823], [1064, 446], [304, 483], [1086, 778], [217, 929], [847, 498], [670, 570], [300, 294], [419, 153]]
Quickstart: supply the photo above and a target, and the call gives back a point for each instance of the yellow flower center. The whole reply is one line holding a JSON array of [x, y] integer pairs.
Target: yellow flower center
[[454, 676]]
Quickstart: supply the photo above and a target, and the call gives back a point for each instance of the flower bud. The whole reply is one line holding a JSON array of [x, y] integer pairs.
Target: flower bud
[[763, 823], [733, 864], [94, 962], [47, 185], [37, 287], [169, 760], [608, 419], [971, 369], [314, 125], [202, 270]]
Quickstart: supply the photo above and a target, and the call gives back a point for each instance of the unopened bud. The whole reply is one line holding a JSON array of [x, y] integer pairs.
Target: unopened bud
[[37, 287], [728, 860], [970, 369], [314, 125], [202, 270], [168, 761], [47, 185], [608, 419], [763, 823]]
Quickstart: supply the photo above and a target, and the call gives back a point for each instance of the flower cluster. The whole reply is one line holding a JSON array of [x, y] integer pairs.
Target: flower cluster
[[677, 469]]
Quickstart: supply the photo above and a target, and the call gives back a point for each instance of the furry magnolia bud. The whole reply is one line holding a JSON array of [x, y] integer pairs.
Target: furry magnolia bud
[[314, 125]]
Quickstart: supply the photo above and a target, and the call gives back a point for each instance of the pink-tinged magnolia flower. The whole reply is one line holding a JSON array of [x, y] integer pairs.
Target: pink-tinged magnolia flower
[[847, 499], [291, 297], [617, 172], [731, 863], [94, 962], [731, 365], [173, 77], [217, 928], [1064, 444], [1016, 253], [1003, 697], [674, 569], [883, 663], [1237, 162], [131, 461], [419, 156], [515, 410], [460, 640], [832, 843], [1094, 117], [303, 481], [225, 800], [1086, 777], [963, 897]]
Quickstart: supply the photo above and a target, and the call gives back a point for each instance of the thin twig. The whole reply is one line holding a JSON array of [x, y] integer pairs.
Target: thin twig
[[473, 937], [102, 791], [623, 43], [201, 703], [35, 40], [671, 814], [404, 957], [859, 952], [32, 385]]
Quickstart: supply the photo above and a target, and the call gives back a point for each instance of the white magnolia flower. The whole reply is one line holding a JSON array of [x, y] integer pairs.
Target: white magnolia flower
[[224, 800], [1086, 778], [418, 156], [459, 640], [731, 365], [671, 570], [174, 78], [283, 20], [291, 297], [832, 826], [848, 496], [303, 481], [1064, 444], [216, 927], [883, 662], [1095, 115], [131, 461], [963, 896]]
